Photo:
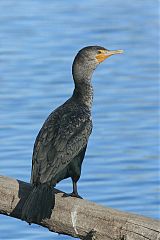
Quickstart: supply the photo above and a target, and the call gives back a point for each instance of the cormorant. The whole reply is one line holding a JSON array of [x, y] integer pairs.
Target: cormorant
[[60, 146]]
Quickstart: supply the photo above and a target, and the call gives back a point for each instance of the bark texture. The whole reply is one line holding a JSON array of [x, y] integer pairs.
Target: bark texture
[[80, 218]]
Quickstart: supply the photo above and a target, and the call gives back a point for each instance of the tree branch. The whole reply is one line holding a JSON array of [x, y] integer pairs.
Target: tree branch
[[80, 218]]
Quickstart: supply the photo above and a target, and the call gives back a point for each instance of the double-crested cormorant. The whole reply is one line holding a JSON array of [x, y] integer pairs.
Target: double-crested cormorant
[[60, 146]]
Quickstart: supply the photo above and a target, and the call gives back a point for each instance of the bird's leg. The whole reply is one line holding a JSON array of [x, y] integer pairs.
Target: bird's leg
[[75, 192]]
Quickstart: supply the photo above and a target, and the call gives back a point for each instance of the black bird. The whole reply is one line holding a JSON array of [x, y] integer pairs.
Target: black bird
[[60, 146]]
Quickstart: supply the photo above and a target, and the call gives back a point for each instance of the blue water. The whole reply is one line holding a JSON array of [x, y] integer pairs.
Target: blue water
[[38, 41]]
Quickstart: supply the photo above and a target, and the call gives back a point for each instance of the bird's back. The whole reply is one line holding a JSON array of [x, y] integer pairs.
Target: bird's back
[[63, 135]]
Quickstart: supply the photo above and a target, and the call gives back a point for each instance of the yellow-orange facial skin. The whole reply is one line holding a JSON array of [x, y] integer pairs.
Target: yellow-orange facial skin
[[103, 54]]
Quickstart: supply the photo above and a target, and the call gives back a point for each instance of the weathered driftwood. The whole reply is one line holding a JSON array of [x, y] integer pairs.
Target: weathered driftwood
[[80, 218]]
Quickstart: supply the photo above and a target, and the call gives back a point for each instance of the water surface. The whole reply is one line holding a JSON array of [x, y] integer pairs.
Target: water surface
[[38, 42]]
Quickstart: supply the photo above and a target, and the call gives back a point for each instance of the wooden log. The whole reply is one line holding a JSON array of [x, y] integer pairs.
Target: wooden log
[[80, 218]]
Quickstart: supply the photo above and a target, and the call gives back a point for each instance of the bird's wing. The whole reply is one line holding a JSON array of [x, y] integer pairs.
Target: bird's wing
[[58, 142]]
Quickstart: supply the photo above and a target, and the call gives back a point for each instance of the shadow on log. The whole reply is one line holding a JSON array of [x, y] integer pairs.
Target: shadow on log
[[79, 218]]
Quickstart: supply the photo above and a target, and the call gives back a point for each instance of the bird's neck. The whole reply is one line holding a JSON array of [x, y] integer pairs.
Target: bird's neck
[[83, 92], [82, 74]]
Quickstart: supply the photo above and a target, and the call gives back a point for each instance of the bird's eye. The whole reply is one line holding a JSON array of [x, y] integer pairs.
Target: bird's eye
[[99, 51]]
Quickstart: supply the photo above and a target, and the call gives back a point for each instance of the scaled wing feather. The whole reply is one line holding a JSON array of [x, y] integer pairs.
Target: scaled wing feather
[[58, 142]]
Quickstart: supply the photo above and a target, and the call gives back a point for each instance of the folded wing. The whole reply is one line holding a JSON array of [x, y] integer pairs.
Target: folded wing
[[61, 138]]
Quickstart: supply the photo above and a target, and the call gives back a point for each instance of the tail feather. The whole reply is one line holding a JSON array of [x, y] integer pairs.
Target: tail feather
[[39, 204]]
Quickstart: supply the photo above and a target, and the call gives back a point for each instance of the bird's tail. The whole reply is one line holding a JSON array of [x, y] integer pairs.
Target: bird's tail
[[39, 204]]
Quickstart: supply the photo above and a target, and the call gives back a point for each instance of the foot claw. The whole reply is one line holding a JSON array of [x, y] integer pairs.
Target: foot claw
[[72, 195], [75, 195]]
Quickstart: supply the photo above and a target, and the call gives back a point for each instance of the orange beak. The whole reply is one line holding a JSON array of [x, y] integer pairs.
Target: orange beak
[[106, 53]]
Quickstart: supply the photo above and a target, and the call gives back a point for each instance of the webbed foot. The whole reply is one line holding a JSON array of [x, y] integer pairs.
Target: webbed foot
[[75, 195], [72, 195]]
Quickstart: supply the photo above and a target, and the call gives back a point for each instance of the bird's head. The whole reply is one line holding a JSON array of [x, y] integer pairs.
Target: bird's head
[[96, 54], [88, 58]]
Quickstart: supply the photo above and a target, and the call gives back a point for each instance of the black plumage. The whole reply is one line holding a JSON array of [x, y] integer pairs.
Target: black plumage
[[61, 140], [60, 146]]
